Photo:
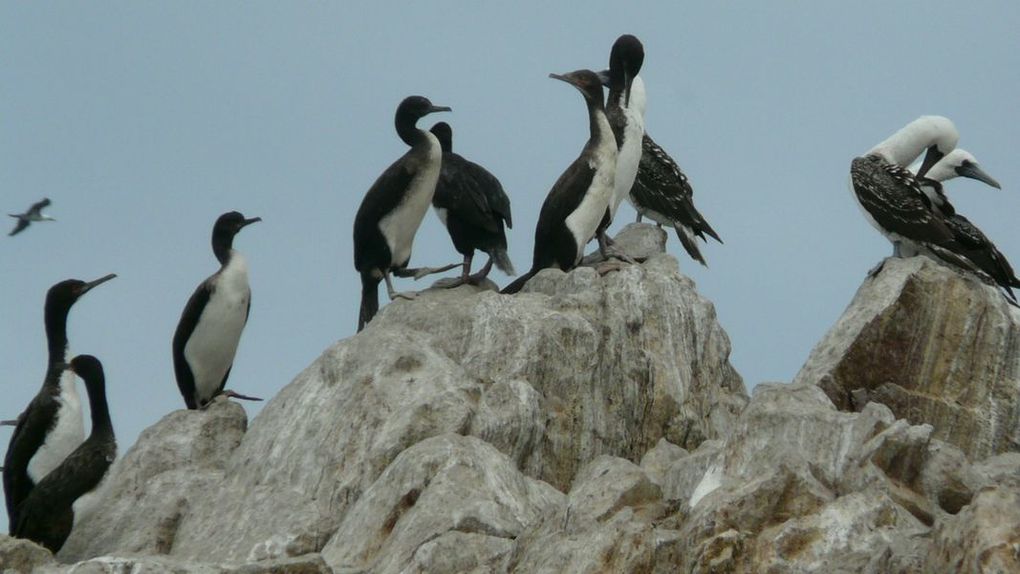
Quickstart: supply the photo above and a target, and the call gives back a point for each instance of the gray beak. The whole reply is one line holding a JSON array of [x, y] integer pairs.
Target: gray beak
[[88, 286], [972, 171]]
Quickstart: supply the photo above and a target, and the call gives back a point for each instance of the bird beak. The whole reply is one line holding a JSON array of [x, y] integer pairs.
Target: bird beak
[[250, 221], [435, 109], [88, 286], [930, 159], [568, 78], [972, 171]]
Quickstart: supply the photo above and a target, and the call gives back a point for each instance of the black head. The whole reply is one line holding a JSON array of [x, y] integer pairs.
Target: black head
[[586, 81], [625, 60], [89, 369], [412, 109], [63, 295], [443, 133], [231, 222]]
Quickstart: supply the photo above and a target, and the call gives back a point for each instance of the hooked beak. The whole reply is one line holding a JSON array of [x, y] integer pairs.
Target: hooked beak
[[250, 221], [88, 286], [435, 109], [972, 171], [564, 78], [930, 159]]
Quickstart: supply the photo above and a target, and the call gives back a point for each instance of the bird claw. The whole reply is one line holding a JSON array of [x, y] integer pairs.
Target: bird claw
[[406, 295]]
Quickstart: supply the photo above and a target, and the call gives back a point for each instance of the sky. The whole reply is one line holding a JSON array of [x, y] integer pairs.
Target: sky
[[143, 122]]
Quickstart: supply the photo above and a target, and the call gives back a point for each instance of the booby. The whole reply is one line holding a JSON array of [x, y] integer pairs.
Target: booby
[[976, 246], [579, 199], [393, 208], [209, 330], [46, 516], [664, 194], [890, 195], [34, 213], [472, 205], [625, 109], [51, 426]]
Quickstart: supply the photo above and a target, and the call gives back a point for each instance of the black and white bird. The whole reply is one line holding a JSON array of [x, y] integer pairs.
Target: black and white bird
[[34, 213], [890, 195], [51, 427], [472, 205], [579, 199], [976, 246], [393, 208], [663, 193], [47, 515], [625, 110], [210, 327]]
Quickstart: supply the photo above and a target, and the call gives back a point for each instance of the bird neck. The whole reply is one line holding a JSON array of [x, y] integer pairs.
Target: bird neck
[[406, 129], [904, 146], [56, 333], [99, 411], [222, 245], [598, 124]]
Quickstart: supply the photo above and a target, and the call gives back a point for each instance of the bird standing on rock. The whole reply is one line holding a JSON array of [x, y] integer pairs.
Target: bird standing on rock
[[393, 208], [51, 427], [210, 327], [47, 515], [579, 199], [472, 205]]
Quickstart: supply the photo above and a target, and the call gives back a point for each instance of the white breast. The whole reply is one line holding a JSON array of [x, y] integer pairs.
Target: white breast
[[66, 435], [210, 349], [400, 225], [629, 158], [584, 220]]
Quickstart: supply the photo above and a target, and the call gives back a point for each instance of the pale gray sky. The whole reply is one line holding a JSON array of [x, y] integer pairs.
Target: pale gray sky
[[143, 122]]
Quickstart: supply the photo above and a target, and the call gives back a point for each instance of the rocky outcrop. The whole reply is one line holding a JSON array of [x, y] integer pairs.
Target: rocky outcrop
[[933, 345], [589, 424]]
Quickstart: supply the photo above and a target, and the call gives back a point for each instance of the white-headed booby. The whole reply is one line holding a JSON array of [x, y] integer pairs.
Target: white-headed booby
[[51, 427], [578, 200], [210, 327], [34, 213], [976, 246], [46, 515], [393, 208], [472, 205]]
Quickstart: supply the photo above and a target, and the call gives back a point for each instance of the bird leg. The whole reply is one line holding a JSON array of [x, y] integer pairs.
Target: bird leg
[[410, 295], [10, 423], [482, 274], [607, 247], [465, 276], [874, 271], [419, 272], [639, 217], [239, 396], [896, 252]]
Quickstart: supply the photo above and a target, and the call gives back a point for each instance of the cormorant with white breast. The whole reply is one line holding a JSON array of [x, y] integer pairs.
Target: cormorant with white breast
[[51, 427], [46, 516], [578, 200], [976, 246], [625, 110], [394, 207], [891, 198], [663, 193], [34, 213], [209, 330], [472, 205]]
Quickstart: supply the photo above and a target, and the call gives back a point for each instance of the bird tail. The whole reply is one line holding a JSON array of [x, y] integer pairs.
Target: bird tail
[[369, 299], [705, 227], [690, 243], [519, 283], [502, 261]]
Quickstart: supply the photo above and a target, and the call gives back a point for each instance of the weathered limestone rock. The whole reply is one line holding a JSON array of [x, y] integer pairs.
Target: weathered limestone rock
[[983, 537], [149, 490], [307, 564], [19, 556], [934, 346]]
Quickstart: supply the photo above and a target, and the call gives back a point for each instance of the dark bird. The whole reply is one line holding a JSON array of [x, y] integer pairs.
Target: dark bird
[[891, 198], [34, 213], [51, 427], [210, 328], [663, 193], [394, 207], [47, 515], [472, 205], [976, 246], [625, 110], [578, 200]]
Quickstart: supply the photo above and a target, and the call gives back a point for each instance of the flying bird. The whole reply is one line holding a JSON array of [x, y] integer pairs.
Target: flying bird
[[393, 208], [34, 213], [472, 205], [209, 330], [51, 427], [46, 516]]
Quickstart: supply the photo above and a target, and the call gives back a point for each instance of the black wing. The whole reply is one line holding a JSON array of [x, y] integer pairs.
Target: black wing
[[893, 197], [472, 194], [22, 224], [29, 435], [370, 248], [38, 206], [554, 244], [185, 327]]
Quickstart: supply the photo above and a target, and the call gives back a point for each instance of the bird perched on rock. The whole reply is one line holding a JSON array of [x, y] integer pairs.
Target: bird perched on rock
[[975, 244], [393, 208], [579, 199], [34, 213], [474, 208], [51, 427], [210, 327], [47, 515]]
